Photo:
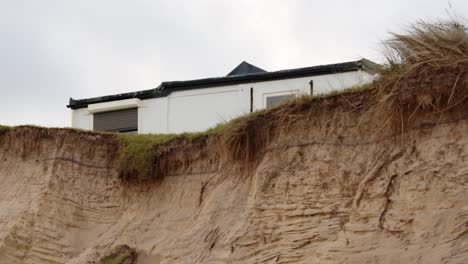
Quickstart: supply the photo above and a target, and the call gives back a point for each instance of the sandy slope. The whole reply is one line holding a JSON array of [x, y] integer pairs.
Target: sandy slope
[[320, 194]]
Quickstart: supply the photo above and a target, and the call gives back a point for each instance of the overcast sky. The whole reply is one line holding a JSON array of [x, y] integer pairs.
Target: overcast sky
[[53, 50]]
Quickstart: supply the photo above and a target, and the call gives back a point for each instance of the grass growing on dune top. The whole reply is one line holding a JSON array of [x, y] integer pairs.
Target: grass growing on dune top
[[4, 128], [138, 153]]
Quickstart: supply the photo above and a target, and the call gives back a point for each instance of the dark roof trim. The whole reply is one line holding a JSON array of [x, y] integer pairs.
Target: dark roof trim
[[167, 88]]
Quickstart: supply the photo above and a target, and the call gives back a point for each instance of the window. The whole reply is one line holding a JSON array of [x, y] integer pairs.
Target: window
[[124, 121], [274, 99]]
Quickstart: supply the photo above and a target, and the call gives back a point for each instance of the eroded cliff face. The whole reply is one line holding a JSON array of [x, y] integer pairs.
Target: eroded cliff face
[[319, 193]]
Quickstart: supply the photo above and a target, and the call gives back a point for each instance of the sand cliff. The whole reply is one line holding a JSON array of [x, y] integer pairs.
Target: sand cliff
[[319, 193], [372, 176]]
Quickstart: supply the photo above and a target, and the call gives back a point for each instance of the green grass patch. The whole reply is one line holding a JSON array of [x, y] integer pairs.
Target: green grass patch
[[4, 128], [138, 153]]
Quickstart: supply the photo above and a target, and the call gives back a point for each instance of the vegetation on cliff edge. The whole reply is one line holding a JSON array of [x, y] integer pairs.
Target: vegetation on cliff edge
[[426, 72]]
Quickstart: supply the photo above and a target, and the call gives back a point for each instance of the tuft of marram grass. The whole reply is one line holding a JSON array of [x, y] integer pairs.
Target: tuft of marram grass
[[427, 70]]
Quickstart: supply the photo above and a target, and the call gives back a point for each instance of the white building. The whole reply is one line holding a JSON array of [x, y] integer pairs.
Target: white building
[[196, 105]]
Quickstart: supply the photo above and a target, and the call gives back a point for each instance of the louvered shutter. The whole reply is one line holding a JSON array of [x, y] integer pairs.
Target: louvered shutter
[[117, 121]]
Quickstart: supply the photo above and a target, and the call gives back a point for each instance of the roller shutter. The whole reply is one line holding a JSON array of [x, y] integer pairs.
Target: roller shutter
[[117, 121]]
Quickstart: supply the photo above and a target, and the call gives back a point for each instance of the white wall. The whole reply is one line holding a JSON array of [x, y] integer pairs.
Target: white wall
[[200, 109], [152, 116], [82, 118]]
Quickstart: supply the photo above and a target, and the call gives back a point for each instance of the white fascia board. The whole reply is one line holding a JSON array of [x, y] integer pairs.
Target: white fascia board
[[114, 105]]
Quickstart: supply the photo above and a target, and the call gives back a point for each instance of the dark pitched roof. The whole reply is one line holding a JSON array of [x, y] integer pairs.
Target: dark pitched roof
[[166, 88], [245, 68]]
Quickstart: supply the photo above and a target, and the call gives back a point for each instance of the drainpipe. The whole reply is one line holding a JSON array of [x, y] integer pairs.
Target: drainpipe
[[251, 99], [311, 83]]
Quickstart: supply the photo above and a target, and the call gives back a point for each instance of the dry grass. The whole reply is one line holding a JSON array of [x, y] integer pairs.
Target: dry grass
[[244, 137], [354, 89], [426, 73]]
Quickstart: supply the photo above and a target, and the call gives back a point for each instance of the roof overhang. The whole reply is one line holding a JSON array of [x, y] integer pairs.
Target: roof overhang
[[114, 105]]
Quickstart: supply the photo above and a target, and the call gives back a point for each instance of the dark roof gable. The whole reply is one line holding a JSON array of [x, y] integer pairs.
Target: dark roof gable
[[245, 68]]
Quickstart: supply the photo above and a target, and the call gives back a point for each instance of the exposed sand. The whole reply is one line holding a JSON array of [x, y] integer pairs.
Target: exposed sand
[[310, 199]]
